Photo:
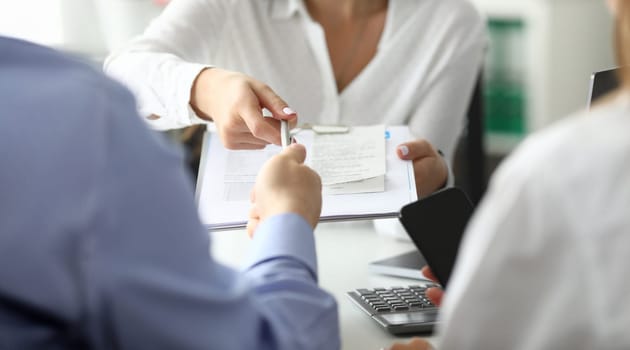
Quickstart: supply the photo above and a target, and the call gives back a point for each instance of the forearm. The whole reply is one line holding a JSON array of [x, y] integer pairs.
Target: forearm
[[283, 274], [176, 296], [161, 83]]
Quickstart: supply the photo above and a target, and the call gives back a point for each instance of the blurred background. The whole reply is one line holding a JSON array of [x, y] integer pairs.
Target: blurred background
[[539, 61]]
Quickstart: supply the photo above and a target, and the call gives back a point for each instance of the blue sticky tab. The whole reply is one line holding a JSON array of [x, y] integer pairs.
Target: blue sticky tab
[[387, 135]]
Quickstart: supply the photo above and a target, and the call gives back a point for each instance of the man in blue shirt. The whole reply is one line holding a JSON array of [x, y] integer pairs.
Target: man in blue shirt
[[100, 243]]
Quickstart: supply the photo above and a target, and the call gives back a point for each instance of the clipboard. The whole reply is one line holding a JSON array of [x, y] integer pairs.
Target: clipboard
[[223, 201]]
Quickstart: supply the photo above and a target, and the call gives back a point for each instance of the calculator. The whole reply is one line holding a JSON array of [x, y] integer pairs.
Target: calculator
[[400, 310]]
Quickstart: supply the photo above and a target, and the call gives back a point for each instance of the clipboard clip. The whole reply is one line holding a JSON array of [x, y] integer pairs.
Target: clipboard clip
[[318, 129], [322, 129]]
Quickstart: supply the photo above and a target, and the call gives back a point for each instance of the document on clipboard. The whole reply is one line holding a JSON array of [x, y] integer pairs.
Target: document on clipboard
[[377, 190]]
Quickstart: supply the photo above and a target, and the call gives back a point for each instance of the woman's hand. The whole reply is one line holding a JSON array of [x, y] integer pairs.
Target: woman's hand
[[434, 294], [413, 344], [234, 101], [429, 167]]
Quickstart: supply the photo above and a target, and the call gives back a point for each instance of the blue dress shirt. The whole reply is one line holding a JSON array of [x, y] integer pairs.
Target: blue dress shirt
[[100, 243]]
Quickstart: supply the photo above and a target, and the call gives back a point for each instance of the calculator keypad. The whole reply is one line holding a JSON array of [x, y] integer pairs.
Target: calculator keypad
[[396, 299]]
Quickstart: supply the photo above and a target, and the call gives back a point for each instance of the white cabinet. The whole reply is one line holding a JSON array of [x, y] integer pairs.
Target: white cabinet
[[561, 43], [121, 20], [96, 27], [38, 21], [81, 28]]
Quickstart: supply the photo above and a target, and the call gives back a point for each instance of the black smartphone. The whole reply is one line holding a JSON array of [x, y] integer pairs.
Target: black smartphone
[[436, 224]]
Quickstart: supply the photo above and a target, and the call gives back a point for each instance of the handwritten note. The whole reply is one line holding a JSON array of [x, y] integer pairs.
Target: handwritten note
[[354, 156]]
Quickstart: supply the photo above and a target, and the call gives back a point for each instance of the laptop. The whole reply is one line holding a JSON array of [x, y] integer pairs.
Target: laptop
[[405, 265], [602, 83]]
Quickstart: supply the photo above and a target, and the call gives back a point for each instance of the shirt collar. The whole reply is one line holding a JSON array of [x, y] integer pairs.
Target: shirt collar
[[285, 9]]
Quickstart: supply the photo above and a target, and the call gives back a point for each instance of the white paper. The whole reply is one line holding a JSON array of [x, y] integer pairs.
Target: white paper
[[241, 168]]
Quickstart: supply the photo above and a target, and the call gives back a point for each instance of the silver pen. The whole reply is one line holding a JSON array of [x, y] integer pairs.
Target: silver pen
[[285, 135]]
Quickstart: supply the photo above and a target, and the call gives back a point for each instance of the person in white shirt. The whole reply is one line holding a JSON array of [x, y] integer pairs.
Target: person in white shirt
[[351, 62], [544, 262]]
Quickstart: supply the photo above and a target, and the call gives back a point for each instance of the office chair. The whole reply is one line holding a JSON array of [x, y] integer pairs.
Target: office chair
[[469, 165], [470, 156]]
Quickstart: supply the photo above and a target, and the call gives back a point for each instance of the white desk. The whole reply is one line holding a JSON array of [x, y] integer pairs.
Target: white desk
[[344, 250]]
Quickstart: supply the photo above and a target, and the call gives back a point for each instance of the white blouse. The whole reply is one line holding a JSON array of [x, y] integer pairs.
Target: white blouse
[[544, 263], [427, 61]]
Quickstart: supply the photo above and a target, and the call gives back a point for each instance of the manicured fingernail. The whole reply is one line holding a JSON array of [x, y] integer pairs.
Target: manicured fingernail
[[404, 150], [293, 140], [288, 111]]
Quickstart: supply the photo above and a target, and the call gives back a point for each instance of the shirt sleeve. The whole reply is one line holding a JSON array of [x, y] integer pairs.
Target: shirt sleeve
[[161, 65], [152, 284]]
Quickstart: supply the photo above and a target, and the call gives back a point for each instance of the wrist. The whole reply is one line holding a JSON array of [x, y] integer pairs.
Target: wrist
[[449, 179], [199, 92], [310, 215]]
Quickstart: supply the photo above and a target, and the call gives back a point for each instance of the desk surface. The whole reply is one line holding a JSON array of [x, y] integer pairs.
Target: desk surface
[[344, 251]]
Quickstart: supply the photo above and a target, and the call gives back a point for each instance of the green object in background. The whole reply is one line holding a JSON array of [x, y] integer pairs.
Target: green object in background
[[504, 89]]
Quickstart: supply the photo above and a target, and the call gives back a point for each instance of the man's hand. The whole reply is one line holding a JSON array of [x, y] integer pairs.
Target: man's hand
[[234, 102], [286, 185], [428, 165]]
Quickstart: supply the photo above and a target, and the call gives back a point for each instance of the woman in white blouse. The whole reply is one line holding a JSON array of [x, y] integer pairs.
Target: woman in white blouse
[[351, 62], [544, 263]]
